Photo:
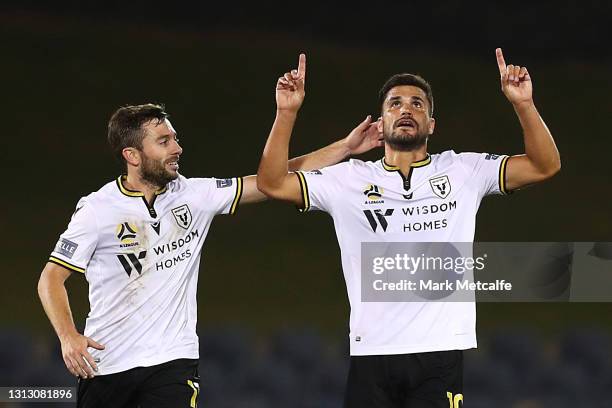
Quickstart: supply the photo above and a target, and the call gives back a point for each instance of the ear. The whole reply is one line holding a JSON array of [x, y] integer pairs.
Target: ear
[[131, 156], [379, 125], [432, 125]]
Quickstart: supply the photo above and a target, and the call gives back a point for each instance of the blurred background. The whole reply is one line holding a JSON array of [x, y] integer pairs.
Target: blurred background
[[273, 311]]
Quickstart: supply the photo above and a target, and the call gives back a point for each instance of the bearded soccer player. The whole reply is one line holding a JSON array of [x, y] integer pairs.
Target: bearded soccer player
[[406, 354], [138, 241]]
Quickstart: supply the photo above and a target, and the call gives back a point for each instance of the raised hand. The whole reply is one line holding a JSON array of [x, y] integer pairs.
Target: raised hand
[[290, 88], [515, 81], [364, 137]]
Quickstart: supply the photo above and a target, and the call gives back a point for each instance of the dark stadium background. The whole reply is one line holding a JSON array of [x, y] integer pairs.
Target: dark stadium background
[[273, 311]]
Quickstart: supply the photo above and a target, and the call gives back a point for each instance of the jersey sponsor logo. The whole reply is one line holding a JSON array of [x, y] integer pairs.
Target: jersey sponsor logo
[[176, 244], [131, 262], [173, 261], [440, 186], [377, 217], [491, 156], [168, 248], [223, 183], [426, 226], [156, 226], [182, 215], [66, 247], [374, 194], [429, 209], [126, 233]]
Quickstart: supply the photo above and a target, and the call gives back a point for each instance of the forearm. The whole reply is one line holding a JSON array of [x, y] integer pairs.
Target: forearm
[[326, 156], [274, 165], [54, 299], [540, 146]]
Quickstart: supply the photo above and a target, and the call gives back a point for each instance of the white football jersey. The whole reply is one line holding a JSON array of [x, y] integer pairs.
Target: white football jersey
[[141, 263], [374, 202]]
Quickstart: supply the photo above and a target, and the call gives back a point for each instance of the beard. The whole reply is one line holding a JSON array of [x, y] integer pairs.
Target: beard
[[405, 143], [154, 173]]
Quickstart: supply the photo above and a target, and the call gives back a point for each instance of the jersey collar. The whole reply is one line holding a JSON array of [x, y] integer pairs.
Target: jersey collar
[[419, 163], [131, 193]]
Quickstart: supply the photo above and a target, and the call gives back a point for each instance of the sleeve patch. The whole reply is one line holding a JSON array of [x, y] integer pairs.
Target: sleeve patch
[[223, 183], [66, 247]]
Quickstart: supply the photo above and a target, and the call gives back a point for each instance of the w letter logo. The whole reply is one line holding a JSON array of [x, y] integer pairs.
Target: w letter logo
[[380, 218], [131, 262]]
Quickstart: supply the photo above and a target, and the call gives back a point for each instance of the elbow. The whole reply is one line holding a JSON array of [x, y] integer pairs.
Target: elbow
[[42, 286], [269, 190], [554, 168], [269, 185], [265, 186]]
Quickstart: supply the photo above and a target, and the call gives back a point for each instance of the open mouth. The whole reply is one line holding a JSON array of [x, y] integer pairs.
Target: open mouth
[[173, 164], [406, 123]]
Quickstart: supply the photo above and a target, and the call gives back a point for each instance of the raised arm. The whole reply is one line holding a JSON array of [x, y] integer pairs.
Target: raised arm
[[273, 176], [360, 140], [54, 298], [541, 160]]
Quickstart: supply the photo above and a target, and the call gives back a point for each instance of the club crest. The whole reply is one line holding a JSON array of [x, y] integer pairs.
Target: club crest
[[440, 186], [182, 215]]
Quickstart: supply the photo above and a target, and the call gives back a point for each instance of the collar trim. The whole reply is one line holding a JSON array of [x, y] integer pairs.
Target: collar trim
[[419, 163], [132, 193]]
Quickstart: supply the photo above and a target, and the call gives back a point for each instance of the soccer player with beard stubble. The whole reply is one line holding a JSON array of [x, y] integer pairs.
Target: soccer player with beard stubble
[[406, 354], [138, 242]]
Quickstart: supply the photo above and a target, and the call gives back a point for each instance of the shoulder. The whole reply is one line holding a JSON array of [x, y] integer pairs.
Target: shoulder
[[462, 158], [101, 197]]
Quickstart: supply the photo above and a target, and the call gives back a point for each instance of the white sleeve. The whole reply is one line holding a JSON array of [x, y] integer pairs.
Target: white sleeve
[[487, 171], [321, 188], [78, 243], [221, 196]]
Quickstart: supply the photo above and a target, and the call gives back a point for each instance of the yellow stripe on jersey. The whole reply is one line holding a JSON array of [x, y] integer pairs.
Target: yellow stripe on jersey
[[194, 398], [502, 175], [132, 193], [65, 264], [423, 162], [419, 163], [304, 190], [237, 196]]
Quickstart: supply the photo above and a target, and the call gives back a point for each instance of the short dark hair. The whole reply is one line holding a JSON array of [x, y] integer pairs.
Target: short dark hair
[[407, 79], [125, 126]]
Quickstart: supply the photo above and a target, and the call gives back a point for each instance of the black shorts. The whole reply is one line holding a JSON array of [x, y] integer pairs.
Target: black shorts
[[172, 384], [419, 380]]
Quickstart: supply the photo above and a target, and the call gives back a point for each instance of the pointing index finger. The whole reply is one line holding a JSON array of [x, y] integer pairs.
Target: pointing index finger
[[302, 66], [501, 63]]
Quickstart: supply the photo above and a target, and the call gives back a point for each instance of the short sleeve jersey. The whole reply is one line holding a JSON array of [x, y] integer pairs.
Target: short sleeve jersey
[[374, 202], [141, 262]]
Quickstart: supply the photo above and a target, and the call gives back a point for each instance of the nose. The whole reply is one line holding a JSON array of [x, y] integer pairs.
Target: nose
[[405, 110], [178, 149]]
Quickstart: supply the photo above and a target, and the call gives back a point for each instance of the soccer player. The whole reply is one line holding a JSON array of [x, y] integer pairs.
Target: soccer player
[[138, 241], [406, 354]]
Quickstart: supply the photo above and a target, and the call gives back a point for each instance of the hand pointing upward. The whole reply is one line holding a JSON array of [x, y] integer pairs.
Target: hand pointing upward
[[290, 87], [515, 81]]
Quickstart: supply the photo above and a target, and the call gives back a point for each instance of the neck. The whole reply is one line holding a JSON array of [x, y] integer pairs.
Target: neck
[[136, 183], [404, 159]]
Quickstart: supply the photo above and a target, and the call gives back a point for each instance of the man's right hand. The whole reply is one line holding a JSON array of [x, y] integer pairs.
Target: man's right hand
[[290, 88], [76, 357]]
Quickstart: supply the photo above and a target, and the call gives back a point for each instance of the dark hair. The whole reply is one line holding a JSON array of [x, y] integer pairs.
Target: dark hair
[[125, 126], [407, 79]]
